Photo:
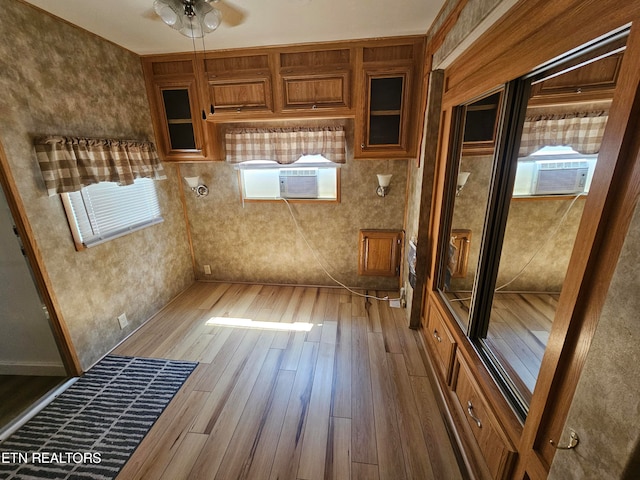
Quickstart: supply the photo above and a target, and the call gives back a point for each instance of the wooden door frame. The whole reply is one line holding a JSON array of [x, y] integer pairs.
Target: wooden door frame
[[34, 257]]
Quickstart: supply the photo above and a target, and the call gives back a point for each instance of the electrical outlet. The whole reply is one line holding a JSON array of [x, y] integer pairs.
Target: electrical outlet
[[122, 320], [207, 269]]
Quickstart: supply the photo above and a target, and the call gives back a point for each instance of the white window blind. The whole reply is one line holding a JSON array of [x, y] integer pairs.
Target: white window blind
[[104, 211]]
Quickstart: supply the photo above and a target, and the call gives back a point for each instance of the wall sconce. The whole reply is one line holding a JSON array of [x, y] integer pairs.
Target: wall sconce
[[383, 184], [462, 180], [200, 189]]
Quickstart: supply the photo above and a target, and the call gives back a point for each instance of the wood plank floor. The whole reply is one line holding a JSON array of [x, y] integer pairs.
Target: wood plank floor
[[19, 392], [329, 386]]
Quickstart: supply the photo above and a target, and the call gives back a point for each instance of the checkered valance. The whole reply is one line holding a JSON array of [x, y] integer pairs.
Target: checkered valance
[[581, 131], [70, 163], [285, 145]]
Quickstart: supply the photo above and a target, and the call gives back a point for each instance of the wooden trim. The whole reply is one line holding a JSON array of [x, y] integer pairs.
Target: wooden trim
[[437, 38], [40, 275], [605, 222], [183, 200], [423, 243], [534, 31]]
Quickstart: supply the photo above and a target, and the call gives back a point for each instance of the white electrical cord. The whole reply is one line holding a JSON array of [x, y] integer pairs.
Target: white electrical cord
[[317, 258], [543, 244], [535, 254]]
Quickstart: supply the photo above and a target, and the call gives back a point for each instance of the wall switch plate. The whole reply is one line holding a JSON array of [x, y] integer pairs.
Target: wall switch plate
[[207, 269], [122, 320]]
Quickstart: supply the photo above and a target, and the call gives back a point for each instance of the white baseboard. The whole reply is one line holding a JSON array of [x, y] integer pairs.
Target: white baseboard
[[33, 369]]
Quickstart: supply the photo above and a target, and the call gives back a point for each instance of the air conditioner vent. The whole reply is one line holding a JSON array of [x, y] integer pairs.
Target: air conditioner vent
[[299, 183], [560, 177]]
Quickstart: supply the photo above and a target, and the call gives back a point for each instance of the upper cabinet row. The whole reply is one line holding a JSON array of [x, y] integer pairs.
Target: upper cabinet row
[[377, 83]]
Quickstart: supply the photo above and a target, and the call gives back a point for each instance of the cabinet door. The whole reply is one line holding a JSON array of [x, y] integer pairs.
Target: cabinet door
[[180, 127], [499, 454], [328, 90], [379, 252], [385, 120], [238, 95]]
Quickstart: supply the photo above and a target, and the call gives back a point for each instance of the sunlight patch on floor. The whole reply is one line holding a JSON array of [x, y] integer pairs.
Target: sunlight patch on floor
[[248, 323]]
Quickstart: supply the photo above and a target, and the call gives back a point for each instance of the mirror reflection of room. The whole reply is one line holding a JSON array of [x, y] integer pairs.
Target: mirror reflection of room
[[564, 123]]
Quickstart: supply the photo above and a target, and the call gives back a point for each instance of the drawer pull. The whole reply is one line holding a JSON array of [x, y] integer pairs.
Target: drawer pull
[[470, 412], [436, 336]]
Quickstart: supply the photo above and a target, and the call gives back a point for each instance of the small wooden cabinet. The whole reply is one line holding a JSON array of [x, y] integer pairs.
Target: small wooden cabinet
[[380, 252], [315, 91], [459, 259], [175, 107], [316, 79], [387, 118], [238, 86]]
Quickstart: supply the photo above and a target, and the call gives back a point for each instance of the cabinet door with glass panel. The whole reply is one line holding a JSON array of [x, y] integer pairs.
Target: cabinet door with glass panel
[[521, 197]]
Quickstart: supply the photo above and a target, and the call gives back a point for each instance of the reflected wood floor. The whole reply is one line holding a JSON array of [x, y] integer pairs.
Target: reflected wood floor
[[348, 399], [518, 332]]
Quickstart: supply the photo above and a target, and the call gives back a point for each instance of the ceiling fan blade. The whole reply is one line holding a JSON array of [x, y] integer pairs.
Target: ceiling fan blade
[[231, 15]]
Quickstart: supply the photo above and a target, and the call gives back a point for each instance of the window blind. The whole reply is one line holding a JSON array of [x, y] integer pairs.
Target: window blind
[[104, 211]]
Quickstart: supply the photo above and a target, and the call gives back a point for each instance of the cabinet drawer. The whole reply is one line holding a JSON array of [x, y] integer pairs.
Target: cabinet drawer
[[493, 443], [442, 341]]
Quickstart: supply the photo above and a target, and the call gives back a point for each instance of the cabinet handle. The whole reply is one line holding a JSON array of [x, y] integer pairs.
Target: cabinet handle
[[314, 107], [238, 110], [471, 414], [436, 336], [362, 145]]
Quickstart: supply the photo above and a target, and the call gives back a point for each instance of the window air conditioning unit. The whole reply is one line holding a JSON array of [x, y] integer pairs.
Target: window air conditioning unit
[[559, 177], [299, 183]]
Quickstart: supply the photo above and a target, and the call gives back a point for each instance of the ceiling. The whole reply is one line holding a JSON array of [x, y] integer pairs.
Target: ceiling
[[134, 25]]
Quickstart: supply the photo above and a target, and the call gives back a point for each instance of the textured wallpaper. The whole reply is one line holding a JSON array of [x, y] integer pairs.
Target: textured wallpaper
[[258, 242], [57, 79], [534, 231]]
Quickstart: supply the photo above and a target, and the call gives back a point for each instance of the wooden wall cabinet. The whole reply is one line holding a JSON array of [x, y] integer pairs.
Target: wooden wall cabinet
[[238, 86], [591, 83], [380, 252], [387, 117], [240, 95], [316, 79], [316, 91], [374, 82], [177, 118]]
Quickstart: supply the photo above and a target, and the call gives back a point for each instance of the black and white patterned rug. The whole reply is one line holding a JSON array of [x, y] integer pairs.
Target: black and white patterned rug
[[93, 427]]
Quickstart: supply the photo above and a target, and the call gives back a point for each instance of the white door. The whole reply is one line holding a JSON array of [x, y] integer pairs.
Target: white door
[[27, 345]]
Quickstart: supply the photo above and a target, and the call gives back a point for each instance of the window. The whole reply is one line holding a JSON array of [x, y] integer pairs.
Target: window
[[312, 177], [103, 211]]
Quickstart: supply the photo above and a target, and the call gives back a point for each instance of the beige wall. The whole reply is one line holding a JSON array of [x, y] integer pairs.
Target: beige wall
[[605, 411], [529, 233], [258, 242], [57, 79]]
